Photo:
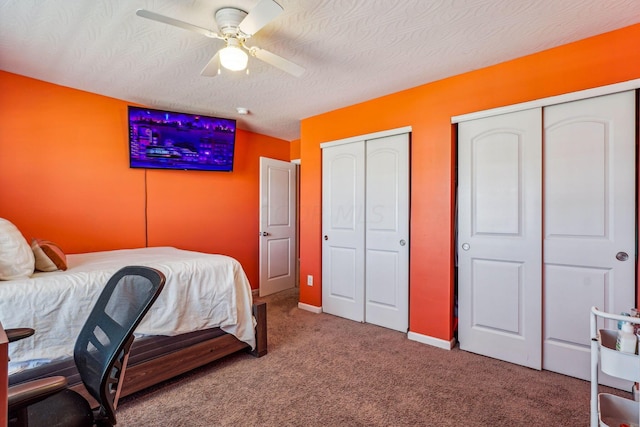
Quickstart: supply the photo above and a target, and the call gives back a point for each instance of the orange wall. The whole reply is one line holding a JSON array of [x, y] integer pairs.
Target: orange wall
[[65, 176], [605, 59], [294, 150]]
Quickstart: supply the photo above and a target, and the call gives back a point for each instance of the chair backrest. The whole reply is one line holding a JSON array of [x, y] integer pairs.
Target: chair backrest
[[107, 334]]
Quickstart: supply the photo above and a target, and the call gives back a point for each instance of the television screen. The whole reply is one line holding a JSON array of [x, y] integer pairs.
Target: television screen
[[168, 140]]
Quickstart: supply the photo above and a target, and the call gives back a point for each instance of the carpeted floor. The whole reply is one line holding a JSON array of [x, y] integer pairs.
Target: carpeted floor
[[322, 370]]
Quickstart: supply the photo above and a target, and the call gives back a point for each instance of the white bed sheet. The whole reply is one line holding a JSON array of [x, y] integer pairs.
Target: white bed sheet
[[202, 291]]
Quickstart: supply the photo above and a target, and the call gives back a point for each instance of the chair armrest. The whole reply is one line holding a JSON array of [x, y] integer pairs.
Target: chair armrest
[[15, 334], [25, 394]]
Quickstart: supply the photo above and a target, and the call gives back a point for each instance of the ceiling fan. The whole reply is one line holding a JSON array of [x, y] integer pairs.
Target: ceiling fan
[[235, 27]]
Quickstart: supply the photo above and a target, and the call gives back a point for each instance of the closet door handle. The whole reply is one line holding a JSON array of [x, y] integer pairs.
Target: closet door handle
[[622, 256]]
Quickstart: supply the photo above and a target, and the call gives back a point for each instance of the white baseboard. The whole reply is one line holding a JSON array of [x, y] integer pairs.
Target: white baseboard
[[435, 342], [311, 308], [424, 339]]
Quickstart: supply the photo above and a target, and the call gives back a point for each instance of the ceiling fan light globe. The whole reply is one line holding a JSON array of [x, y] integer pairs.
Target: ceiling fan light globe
[[233, 58]]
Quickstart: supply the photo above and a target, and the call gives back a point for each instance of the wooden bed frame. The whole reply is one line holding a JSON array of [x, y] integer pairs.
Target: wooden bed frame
[[146, 373], [4, 375]]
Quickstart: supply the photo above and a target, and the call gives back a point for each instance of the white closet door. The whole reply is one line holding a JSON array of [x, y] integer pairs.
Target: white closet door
[[500, 237], [343, 228], [387, 232], [589, 222]]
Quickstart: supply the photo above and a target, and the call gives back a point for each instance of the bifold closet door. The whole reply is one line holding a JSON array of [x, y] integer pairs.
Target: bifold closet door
[[589, 224], [528, 304], [387, 232], [343, 229], [500, 238], [365, 231]]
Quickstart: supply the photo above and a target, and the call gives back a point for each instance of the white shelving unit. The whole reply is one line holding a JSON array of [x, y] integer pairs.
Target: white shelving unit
[[609, 410]]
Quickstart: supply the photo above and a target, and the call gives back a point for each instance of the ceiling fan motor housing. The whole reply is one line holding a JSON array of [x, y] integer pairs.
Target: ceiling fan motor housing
[[228, 20]]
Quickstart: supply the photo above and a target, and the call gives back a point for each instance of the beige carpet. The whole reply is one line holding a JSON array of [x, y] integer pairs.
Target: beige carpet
[[323, 370]]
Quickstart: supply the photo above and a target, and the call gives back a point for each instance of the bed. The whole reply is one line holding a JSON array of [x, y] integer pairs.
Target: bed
[[204, 312]]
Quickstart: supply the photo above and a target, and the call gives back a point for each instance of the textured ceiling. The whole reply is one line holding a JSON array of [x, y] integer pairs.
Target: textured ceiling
[[353, 50]]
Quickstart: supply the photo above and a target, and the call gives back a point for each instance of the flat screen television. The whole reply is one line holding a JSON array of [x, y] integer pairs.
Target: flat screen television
[[169, 140]]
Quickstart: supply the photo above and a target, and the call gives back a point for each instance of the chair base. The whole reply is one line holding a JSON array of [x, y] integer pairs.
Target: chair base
[[64, 409]]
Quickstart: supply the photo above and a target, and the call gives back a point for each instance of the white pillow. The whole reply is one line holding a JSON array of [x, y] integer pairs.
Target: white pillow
[[16, 257]]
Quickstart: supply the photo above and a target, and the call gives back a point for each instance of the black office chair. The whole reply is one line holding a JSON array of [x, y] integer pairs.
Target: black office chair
[[100, 354]]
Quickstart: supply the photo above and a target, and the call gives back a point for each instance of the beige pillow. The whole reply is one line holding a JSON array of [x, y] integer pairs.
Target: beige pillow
[[16, 257], [49, 256]]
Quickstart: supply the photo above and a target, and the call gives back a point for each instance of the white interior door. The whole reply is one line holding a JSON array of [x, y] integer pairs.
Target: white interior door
[[277, 225], [343, 228], [589, 224], [500, 237], [387, 232]]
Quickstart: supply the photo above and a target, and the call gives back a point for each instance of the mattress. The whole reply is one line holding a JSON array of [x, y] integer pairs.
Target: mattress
[[202, 291]]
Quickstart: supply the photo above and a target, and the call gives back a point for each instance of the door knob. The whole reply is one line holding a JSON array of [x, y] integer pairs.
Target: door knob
[[326, 237], [403, 242], [263, 233], [622, 256], [465, 246]]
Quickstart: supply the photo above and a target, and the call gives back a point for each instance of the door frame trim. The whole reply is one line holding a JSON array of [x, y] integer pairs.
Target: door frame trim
[[545, 102], [374, 135]]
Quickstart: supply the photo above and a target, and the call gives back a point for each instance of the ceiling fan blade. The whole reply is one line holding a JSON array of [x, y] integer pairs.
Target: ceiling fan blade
[[176, 23], [277, 61], [212, 68], [263, 13]]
